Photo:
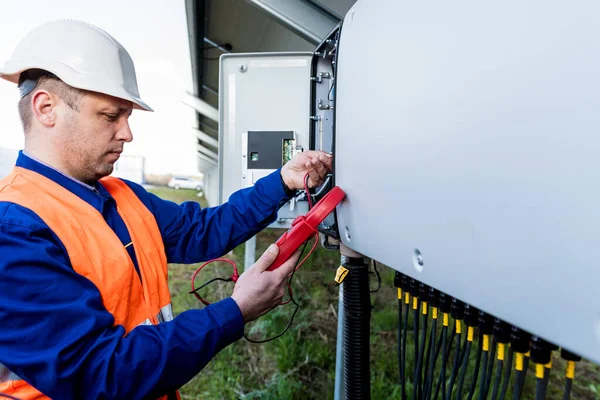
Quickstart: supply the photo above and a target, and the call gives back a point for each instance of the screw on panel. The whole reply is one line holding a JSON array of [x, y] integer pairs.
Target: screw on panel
[[243, 68]]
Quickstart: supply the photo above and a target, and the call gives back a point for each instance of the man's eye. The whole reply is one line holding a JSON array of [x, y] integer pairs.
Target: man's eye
[[112, 117]]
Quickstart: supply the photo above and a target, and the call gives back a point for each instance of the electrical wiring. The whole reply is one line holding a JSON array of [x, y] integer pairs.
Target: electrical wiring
[[457, 311], [540, 389], [414, 291], [506, 379], [571, 360], [568, 386], [477, 364], [398, 285], [428, 371], [456, 367], [488, 375], [499, 367], [570, 375], [431, 353], [525, 367], [461, 379], [289, 283], [330, 90], [378, 277], [446, 344], [417, 389], [486, 355], [440, 342], [520, 378], [416, 324], [546, 379], [404, 340], [445, 357], [235, 276], [307, 191]]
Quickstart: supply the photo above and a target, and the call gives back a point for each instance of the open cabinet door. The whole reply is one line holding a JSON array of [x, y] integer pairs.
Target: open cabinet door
[[264, 100]]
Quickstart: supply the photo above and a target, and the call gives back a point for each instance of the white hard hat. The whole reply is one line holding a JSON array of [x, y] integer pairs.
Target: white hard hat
[[81, 55]]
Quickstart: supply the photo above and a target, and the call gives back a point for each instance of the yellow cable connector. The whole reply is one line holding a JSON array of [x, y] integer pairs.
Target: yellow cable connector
[[446, 319], [434, 314], [424, 308], [486, 342], [407, 298], [539, 371], [519, 361], [340, 275], [458, 326], [470, 332], [399, 294], [415, 303], [570, 369], [500, 351]]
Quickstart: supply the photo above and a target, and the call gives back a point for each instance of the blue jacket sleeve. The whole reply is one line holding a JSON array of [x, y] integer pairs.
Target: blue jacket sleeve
[[56, 334], [192, 234]]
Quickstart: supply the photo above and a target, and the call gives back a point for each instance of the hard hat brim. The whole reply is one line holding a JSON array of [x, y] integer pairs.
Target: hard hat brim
[[12, 70]]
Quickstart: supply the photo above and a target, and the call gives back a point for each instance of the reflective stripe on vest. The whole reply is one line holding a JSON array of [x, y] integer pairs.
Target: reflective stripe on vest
[[165, 315], [93, 249], [6, 375]]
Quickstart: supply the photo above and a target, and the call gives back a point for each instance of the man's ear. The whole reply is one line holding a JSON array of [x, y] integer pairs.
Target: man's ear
[[44, 106]]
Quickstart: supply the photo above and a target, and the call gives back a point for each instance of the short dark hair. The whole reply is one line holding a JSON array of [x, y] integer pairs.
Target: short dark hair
[[70, 95]]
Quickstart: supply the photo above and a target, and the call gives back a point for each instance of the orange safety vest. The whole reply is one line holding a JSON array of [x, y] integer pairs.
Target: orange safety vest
[[96, 252]]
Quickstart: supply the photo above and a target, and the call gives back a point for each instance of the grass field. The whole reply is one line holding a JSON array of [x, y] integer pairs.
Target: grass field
[[301, 364]]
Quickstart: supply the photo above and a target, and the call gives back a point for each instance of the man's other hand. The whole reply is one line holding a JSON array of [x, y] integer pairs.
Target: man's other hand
[[316, 163], [257, 290]]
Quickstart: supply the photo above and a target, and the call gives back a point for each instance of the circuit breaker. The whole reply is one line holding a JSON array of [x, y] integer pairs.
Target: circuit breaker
[[264, 102]]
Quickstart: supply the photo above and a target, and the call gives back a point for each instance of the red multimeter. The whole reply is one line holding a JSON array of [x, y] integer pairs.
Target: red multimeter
[[305, 226]]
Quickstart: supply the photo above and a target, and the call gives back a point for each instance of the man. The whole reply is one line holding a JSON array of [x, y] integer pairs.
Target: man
[[84, 304]]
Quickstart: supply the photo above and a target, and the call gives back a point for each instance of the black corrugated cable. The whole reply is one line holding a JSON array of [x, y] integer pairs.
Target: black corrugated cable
[[423, 298], [520, 343], [541, 355], [457, 313], [432, 348], [471, 320], [502, 336], [445, 308], [486, 324], [398, 285], [406, 290], [570, 371]]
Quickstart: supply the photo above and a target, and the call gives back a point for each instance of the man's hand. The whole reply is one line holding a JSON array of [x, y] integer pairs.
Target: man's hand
[[257, 290], [316, 163]]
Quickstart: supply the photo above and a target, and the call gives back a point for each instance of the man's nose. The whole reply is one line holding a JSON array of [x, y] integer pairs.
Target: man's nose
[[124, 133]]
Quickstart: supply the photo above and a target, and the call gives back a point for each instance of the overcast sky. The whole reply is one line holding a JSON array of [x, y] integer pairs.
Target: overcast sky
[[154, 32]]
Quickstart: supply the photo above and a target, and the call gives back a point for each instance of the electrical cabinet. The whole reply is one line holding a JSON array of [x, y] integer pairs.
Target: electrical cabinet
[[466, 140], [264, 120]]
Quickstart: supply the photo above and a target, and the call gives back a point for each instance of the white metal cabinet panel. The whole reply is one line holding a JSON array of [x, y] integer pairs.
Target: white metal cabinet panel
[[470, 131], [261, 92]]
